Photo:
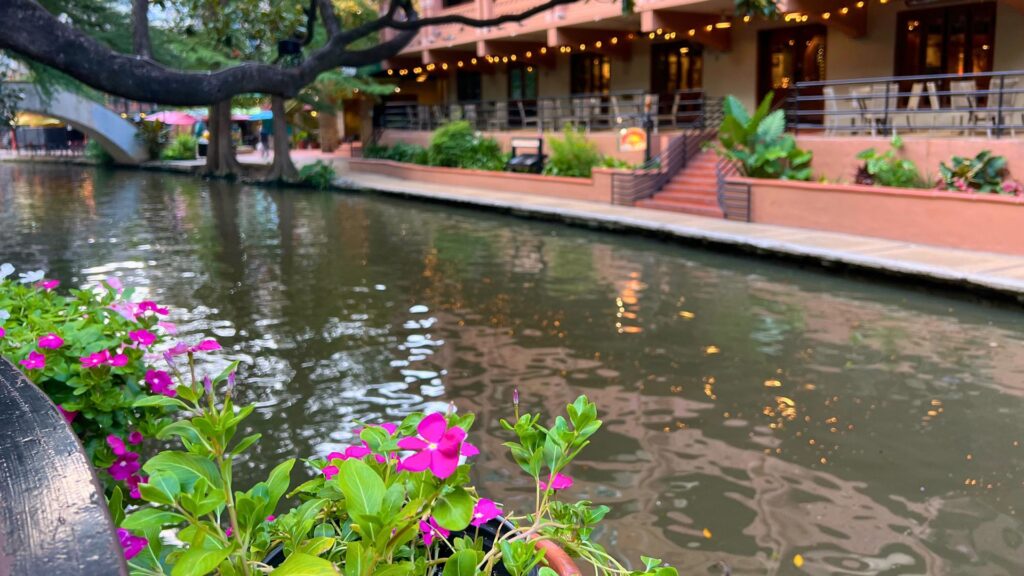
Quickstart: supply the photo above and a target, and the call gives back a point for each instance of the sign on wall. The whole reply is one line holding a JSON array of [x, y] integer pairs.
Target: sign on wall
[[632, 140]]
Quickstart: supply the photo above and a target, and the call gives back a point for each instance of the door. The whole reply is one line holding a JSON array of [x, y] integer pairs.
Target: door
[[790, 55]]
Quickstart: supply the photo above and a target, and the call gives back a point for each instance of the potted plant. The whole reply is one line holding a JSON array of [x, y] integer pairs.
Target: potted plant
[[399, 502]]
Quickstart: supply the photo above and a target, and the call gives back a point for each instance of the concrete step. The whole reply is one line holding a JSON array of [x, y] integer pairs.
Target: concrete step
[[695, 209], [687, 198]]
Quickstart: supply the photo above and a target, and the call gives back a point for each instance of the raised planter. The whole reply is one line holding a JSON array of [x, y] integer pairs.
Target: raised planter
[[597, 188], [985, 222]]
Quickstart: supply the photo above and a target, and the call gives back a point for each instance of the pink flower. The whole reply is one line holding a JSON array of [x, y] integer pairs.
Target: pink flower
[[208, 345], [229, 532], [124, 466], [135, 437], [560, 482], [177, 350], [484, 511], [69, 416], [117, 445], [133, 482], [115, 283], [330, 471], [160, 383], [169, 327], [430, 530], [150, 306], [271, 518], [118, 360], [142, 337], [469, 450], [94, 360], [131, 544], [48, 284], [2, 332], [35, 361], [51, 341], [437, 447]]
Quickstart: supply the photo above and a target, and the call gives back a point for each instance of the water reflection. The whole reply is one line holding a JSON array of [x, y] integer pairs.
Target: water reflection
[[753, 412]]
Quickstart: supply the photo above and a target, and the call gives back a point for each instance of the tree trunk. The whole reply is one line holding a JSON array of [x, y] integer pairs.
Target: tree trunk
[[220, 153], [282, 169], [328, 124], [140, 29]]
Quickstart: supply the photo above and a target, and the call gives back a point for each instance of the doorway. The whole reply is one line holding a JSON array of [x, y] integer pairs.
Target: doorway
[[787, 56]]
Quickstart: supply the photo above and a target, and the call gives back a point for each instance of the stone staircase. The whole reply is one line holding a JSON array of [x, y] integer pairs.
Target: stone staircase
[[694, 190]]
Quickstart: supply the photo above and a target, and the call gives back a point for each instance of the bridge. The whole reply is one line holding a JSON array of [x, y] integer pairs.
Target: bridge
[[115, 134]]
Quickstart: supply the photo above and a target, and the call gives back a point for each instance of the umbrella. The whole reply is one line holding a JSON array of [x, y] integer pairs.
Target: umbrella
[[172, 117], [262, 115]]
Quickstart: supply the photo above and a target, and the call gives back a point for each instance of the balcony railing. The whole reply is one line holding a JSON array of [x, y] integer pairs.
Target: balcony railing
[[681, 109], [990, 103]]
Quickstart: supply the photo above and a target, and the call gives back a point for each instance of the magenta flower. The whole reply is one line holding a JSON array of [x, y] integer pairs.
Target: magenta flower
[[94, 360], [208, 345], [133, 482], [431, 530], [69, 415], [131, 543], [354, 452], [51, 341], [117, 445], [559, 482], [437, 447], [177, 350], [142, 337], [330, 472], [35, 361], [271, 518], [2, 332], [118, 360], [115, 283], [469, 450], [160, 383], [48, 284], [124, 466], [229, 531], [135, 437], [150, 306], [168, 327], [484, 511]]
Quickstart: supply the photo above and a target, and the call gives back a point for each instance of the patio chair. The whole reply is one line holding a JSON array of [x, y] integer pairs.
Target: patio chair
[[995, 112], [470, 115], [861, 101], [500, 119], [881, 106], [454, 113], [670, 117], [527, 121], [839, 114], [913, 105], [547, 111], [581, 113], [962, 100]]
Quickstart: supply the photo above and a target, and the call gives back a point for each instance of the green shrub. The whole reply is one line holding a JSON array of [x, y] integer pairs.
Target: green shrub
[[375, 151], [319, 175], [885, 169], [153, 136], [613, 162], [983, 173], [759, 142], [98, 154], [457, 145], [573, 155], [412, 153], [183, 147]]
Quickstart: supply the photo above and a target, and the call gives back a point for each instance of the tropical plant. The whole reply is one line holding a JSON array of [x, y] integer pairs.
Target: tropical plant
[[457, 145], [98, 154], [319, 175], [397, 503], [182, 147], [88, 351], [613, 162], [983, 173], [764, 8], [572, 155], [759, 142], [887, 169], [153, 136]]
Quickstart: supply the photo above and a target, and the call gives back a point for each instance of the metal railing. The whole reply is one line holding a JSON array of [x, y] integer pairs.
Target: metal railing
[[652, 176], [591, 112], [990, 102], [733, 197]]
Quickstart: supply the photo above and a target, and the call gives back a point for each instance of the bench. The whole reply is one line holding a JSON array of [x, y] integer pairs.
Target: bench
[[529, 162]]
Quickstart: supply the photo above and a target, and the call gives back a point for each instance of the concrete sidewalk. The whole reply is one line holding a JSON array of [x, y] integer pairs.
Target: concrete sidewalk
[[994, 273]]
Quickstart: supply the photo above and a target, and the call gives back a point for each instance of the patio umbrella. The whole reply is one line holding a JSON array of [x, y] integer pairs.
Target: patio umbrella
[[172, 118], [262, 115]]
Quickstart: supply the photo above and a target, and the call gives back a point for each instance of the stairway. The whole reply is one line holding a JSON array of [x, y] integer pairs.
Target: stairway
[[694, 190]]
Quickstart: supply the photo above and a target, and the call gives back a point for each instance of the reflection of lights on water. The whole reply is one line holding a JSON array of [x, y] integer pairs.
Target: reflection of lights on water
[[687, 314], [772, 383], [709, 350]]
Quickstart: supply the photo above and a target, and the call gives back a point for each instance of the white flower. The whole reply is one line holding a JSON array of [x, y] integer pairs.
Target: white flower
[[31, 277], [6, 270], [4, 314]]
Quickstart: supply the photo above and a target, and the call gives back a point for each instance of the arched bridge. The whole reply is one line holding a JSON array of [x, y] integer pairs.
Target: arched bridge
[[115, 134]]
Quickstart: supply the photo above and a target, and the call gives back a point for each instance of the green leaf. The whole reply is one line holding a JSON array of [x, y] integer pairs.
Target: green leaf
[[186, 467], [316, 546], [734, 108], [198, 561], [772, 127], [462, 563], [454, 510], [358, 562], [300, 564], [149, 518], [545, 571], [162, 488], [650, 562], [245, 443], [181, 428], [363, 488], [277, 484], [116, 505], [159, 400]]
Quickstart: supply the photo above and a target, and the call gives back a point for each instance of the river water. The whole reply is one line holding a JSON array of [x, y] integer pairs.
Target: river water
[[753, 411]]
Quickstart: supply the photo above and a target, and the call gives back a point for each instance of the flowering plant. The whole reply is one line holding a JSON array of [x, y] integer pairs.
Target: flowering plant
[[398, 503], [87, 350]]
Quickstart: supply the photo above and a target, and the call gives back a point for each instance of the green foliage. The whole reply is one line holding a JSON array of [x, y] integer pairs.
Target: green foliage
[[764, 8], [983, 173], [572, 155], [98, 154], [759, 142], [153, 136], [613, 162], [182, 147], [108, 399], [887, 169], [457, 145], [319, 175], [9, 99], [400, 152]]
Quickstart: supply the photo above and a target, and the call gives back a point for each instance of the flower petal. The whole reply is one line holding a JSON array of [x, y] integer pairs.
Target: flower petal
[[433, 427], [418, 462]]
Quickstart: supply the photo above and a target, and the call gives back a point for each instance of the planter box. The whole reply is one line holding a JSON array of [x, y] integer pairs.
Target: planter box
[[968, 221], [597, 188]]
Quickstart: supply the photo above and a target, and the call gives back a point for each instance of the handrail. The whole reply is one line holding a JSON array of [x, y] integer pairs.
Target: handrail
[[918, 77]]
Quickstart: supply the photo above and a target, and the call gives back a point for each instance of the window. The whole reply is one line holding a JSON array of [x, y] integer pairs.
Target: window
[[468, 86], [589, 74], [948, 40], [676, 66], [522, 82]]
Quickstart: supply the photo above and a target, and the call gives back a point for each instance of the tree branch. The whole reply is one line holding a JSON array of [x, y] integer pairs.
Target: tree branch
[[140, 29], [329, 18], [84, 58]]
